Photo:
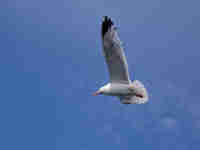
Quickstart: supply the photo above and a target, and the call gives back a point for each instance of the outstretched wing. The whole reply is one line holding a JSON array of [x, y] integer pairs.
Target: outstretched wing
[[114, 53]]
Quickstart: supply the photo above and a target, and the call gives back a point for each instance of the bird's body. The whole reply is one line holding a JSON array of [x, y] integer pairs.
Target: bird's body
[[120, 84], [116, 89]]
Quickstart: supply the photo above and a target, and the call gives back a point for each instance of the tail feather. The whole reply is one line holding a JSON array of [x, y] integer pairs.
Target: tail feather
[[140, 90]]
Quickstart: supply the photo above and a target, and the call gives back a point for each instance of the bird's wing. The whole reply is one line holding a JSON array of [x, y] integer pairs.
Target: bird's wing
[[114, 53]]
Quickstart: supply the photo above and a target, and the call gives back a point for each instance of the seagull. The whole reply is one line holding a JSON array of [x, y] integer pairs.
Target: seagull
[[120, 84]]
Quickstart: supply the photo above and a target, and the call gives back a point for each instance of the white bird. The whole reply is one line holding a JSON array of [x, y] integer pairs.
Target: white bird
[[120, 84]]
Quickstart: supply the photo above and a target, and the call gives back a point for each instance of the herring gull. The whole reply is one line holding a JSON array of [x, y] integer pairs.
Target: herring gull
[[120, 84]]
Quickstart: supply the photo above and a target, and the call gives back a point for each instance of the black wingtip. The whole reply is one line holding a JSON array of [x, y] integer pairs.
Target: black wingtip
[[106, 24]]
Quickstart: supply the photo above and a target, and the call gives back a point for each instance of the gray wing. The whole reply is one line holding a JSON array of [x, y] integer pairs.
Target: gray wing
[[114, 53]]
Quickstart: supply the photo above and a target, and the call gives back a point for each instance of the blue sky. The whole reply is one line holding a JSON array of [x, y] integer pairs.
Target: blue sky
[[51, 62]]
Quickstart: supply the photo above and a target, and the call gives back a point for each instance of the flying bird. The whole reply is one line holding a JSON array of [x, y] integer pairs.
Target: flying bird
[[120, 84]]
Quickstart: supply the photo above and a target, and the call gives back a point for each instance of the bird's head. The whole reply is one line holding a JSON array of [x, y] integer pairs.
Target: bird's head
[[98, 92], [103, 90]]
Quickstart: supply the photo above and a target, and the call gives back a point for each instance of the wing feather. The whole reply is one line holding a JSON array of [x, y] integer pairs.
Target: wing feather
[[114, 53]]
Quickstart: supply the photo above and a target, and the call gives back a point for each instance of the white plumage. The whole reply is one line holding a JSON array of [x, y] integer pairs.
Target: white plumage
[[120, 84]]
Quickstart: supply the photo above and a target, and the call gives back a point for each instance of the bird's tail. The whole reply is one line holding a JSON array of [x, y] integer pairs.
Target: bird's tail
[[141, 96]]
